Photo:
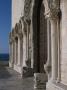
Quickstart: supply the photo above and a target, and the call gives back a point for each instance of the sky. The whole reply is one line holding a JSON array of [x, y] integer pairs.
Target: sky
[[5, 25]]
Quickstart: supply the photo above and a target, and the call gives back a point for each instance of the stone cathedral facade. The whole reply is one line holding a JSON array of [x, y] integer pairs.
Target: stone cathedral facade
[[38, 42]]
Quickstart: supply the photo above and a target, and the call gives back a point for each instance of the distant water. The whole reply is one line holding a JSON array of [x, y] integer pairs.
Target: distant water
[[4, 57]]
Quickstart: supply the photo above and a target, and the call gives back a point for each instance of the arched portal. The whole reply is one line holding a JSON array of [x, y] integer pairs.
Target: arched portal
[[39, 36], [39, 44]]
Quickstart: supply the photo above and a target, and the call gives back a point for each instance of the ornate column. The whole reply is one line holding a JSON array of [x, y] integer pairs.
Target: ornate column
[[54, 44], [52, 14]]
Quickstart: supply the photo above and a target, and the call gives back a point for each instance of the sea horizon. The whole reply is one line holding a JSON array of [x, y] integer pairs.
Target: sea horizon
[[4, 56]]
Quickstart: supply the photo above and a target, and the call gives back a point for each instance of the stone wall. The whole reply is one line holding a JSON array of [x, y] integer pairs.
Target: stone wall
[[17, 10], [64, 41]]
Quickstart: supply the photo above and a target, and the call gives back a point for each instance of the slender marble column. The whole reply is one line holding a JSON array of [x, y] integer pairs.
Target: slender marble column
[[10, 52], [27, 42], [32, 47], [19, 53], [47, 66], [59, 65], [54, 49], [15, 52], [24, 49]]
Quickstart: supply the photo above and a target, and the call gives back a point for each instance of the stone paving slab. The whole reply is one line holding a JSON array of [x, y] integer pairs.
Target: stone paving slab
[[11, 80]]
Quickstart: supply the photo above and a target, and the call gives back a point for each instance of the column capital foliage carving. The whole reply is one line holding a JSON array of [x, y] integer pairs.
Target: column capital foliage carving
[[52, 8], [27, 9]]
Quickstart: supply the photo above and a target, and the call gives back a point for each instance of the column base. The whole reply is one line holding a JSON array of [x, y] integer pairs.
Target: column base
[[40, 80], [27, 72], [18, 68], [10, 65], [55, 86]]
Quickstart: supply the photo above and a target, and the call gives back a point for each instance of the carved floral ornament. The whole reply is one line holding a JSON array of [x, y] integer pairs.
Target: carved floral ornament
[[27, 9], [52, 8]]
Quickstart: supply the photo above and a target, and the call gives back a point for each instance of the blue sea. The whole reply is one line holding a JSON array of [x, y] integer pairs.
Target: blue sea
[[4, 57]]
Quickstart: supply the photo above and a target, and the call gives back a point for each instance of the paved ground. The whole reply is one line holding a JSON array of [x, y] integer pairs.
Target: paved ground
[[10, 80]]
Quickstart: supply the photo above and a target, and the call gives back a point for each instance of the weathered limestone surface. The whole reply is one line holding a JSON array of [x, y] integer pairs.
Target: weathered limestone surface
[[55, 86], [64, 42], [17, 11], [42, 27], [40, 81]]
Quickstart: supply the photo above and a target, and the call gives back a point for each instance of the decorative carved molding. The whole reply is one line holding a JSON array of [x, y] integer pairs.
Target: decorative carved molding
[[52, 8], [27, 9], [53, 4]]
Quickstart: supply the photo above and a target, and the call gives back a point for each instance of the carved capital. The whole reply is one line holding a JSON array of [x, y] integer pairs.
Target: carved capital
[[53, 14], [52, 8], [27, 9]]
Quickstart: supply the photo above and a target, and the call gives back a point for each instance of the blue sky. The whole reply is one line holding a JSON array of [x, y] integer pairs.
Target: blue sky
[[5, 25]]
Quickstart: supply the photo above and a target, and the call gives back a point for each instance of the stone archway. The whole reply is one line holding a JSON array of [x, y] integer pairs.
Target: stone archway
[[39, 36], [39, 43]]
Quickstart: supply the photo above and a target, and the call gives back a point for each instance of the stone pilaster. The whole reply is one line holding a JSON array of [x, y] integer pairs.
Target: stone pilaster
[[52, 14]]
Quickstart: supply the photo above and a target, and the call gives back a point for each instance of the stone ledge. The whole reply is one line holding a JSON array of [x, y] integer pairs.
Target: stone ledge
[[55, 86]]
